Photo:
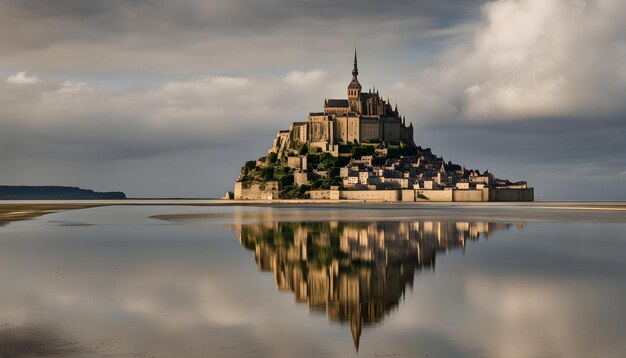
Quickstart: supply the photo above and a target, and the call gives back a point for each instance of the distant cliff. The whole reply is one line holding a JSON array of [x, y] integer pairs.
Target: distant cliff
[[8, 192]]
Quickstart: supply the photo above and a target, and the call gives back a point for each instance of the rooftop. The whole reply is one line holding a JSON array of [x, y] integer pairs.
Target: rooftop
[[337, 103]]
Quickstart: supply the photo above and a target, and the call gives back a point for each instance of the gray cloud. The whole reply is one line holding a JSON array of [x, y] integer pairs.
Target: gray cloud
[[201, 35]]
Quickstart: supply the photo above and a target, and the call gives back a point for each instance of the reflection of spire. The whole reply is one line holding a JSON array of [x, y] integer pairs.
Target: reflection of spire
[[355, 327]]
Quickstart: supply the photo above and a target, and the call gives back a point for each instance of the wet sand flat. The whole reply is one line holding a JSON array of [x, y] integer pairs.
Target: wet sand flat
[[17, 212], [596, 211], [610, 212]]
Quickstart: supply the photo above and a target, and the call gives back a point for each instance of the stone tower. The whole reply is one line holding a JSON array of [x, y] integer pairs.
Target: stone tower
[[354, 89]]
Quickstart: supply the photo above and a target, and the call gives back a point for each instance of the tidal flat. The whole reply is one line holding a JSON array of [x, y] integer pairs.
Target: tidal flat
[[204, 279], [24, 211]]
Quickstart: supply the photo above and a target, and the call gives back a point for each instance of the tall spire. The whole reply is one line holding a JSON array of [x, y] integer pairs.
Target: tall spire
[[355, 70], [354, 84]]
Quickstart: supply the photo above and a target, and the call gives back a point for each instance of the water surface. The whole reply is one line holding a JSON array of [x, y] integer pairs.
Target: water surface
[[309, 282]]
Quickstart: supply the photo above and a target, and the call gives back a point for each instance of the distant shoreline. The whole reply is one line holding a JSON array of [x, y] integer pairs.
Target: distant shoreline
[[55, 192]]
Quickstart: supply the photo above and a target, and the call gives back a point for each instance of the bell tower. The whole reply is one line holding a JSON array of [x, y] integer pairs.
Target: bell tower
[[354, 89]]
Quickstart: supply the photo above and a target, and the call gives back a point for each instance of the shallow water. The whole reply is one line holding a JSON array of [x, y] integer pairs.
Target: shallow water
[[309, 282]]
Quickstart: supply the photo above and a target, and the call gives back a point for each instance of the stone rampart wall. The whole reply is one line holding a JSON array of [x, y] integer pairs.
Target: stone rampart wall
[[370, 195], [256, 194], [468, 195], [449, 195], [433, 195], [319, 194], [527, 194]]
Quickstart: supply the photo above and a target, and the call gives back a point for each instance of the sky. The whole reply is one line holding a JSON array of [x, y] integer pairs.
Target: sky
[[159, 98]]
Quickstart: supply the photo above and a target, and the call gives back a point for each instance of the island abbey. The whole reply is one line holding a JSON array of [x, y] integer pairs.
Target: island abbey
[[361, 148]]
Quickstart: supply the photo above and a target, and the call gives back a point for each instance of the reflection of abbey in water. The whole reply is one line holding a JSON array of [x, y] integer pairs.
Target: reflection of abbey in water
[[355, 272]]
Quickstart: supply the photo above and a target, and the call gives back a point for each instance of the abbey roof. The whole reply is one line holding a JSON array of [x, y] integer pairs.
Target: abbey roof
[[337, 103]]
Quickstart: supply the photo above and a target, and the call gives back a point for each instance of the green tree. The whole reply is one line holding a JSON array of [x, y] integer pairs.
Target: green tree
[[287, 180], [272, 158], [268, 174], [327, 161], [250, 165], [360, 150]]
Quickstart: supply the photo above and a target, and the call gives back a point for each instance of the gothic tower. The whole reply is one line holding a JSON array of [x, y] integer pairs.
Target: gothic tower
[[354, 89]]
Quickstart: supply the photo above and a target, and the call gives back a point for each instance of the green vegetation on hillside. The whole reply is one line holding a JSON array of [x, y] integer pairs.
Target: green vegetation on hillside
[[271, 168]]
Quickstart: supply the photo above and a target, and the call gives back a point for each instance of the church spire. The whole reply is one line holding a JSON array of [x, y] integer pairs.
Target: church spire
[[355, 70], [354, 89]]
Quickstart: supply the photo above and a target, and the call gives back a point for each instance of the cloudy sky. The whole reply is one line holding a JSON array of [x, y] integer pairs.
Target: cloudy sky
[[164, 98]]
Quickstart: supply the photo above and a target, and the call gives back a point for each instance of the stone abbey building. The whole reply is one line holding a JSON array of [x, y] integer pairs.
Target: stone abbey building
[[363, 117]]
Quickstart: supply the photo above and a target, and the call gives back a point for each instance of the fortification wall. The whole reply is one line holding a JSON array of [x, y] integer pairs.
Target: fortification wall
[[237, 190], [255, 192], [370, 195], [319, 194], [433, 195], [468, 195], [449, 195], [297, 162], [408, 195], [527, 194], [301, 178]]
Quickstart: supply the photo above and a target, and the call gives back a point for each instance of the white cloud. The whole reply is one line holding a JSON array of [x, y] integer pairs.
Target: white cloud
[[70, 86], [306, 77], [537, 59], [21, 78]]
